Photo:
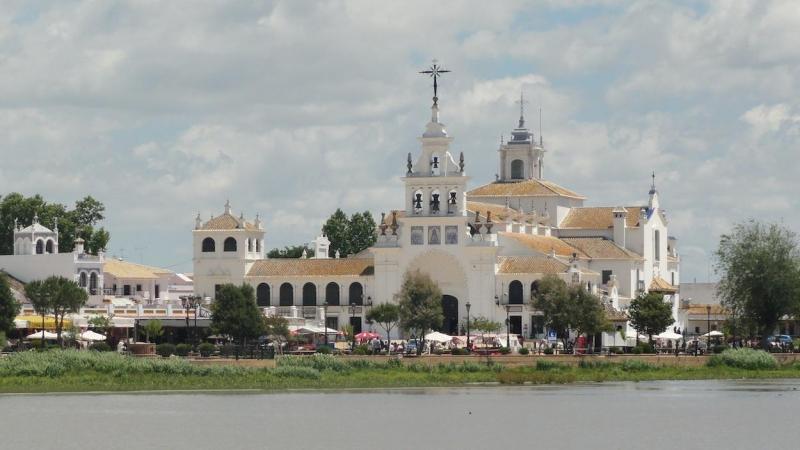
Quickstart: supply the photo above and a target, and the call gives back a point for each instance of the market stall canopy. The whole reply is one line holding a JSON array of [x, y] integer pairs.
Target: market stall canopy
[[310, 329], [367, 335], [670, 335], [90, 335], [438, 337], [38, 336], [49, 322], [713, 333]]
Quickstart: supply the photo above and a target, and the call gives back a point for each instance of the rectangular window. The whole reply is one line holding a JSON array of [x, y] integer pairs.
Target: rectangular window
[[126, 289], [451, 235], [434, 235], [606, 276], [417, 236], [332, 323], [697, 330], [138, 288]]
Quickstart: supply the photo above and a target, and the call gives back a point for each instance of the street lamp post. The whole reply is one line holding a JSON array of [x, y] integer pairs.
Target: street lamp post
[[508, 322], [186, 302], [325, 321], [353, 307], [708, 328], [468, 307]]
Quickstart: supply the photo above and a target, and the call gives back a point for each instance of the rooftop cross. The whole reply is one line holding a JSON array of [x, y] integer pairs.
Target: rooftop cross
[[435, 71], [521, 102], [653, 184]]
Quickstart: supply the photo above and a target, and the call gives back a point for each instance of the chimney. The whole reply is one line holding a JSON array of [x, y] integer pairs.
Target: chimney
[[620, 217], [79, 246]]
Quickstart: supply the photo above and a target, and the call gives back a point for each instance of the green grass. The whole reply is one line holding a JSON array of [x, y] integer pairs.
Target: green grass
[[74, 371]]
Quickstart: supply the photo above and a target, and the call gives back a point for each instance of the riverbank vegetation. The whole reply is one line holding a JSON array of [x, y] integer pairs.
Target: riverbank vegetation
[[82, 371]]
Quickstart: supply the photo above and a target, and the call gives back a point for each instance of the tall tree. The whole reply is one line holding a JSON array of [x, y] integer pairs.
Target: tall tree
[[66, 297], [760, 267], [386, 315], [40, 297], [589, 314], [650, 314], [153, 328], [234, 313], [9, 306], [349, 236], [555, 303], [420, 301], [78, 222]]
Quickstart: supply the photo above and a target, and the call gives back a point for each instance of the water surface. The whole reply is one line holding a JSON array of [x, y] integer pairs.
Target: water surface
[[651, 415]]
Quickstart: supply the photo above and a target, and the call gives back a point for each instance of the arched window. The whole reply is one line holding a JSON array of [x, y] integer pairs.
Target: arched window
[[436, 201], [258, 245], [416, 202], [82, 280], [93, 283], [534, 289], [286, 295], [39, 247], [49, 246], [262, 294], [332, 294], [209, 246], [436, 163], [517, 170], [515, 293], [309, 294], [657, 245], [356, 294], [249, 244], [229, 245]]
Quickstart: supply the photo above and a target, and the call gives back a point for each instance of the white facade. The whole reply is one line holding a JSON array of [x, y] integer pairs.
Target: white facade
[[487, 246]]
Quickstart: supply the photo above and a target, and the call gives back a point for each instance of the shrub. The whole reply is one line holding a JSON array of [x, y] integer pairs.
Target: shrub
[[206, 349], [227, 350], [100, 347], [744, 358], [183, 349], [394, 363], [505, 350], [615, 350], [548, 351], [165, 349], [361, 350], [524, 351], [324, 350], [296, 372], [719, 348], [643, 347], [544, 364], [459, 352], [634, 365]]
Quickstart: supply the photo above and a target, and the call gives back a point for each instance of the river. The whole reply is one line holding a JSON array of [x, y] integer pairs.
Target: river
[[651, 415]]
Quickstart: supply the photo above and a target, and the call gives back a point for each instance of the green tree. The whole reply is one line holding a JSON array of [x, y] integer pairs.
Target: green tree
[[40, 297], [234, 313], [277, 329], [589, 315], [484, 326], [78, 222], [153, 328], [293, 251], [66, 297], [101, 324], [349, 236], [386, 315], [760, 268], [420, 301], [9, 306], [555, 303], [650, 314]]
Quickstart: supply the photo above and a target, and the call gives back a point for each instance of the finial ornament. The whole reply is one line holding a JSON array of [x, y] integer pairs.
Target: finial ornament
[[461, 162], [435, 71], [55, 224], [521, 102], [653, 183], [408, 164]]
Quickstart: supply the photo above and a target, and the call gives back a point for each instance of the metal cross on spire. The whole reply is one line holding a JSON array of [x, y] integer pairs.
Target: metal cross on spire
[[435, 71], [521, 102], [653, 184]]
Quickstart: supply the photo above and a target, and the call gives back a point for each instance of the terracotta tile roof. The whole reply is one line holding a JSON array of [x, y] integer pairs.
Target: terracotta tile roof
[[498, 212], [125, 269], [526, 188], [299, 267], [613, 314], [598, 218], [542, 244], [531, 264], [695, 309], [660, 285], [227, 222], [600, 248]]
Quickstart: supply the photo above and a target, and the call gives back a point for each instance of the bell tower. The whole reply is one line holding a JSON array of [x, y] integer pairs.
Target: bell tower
[[521, 158]]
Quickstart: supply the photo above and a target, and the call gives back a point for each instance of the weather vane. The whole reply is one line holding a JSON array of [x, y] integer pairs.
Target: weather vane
[[435, 71]]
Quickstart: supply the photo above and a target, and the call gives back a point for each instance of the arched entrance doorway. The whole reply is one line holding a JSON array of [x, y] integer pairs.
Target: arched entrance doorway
[[450, 311]]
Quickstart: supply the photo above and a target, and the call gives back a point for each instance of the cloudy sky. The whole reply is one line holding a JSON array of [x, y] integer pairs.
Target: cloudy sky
[[291, 109]]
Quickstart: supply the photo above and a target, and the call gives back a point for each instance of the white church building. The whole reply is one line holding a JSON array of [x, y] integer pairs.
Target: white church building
[[486, 246]]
